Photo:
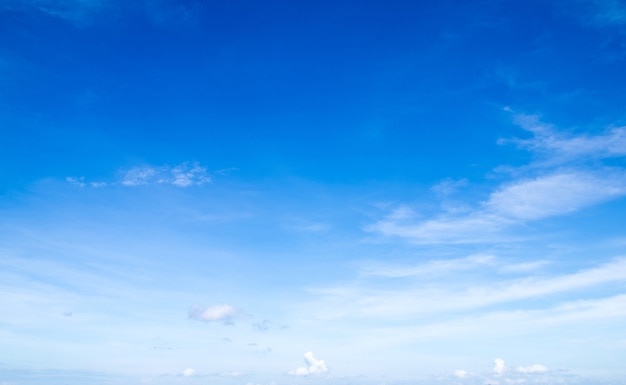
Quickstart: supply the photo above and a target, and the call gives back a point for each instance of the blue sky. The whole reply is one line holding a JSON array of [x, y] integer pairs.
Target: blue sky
[[312, 192]]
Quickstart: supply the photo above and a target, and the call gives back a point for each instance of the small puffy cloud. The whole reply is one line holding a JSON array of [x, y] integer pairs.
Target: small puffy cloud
[[189, 372], [313, 366], [499, 366], [218, 313], [461, 373], [536, 368]]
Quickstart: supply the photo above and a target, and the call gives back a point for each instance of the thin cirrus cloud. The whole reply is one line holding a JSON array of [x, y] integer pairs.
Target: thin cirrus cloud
[[440, 267], [182, 175], [409, 300], [559, 147], [430, 268], [559, 186]]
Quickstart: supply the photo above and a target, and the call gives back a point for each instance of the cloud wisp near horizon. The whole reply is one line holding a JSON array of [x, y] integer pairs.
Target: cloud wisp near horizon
[[209, 193]]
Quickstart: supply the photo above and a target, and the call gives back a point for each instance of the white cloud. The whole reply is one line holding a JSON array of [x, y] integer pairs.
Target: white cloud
[[536, 368], [218, 313], [80, 182], [183, 175], [558, 147], [460, 373], [313, 366], [138, 176], [523, 267], [414, 300], [189, 372], [232, 374], [472, 228], [565, 178], [499, 366], [431, 268], [555, 194], [449, 186]]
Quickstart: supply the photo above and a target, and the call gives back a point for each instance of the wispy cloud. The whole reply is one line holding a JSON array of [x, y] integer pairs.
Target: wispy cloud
[[555, 147], [555, 184], [182, 175], [431, 268], [413, 300], [554, 194]]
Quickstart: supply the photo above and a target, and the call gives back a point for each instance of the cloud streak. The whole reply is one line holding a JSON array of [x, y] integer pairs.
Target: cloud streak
[[74, 11], [560, 185], [183, 175], [409, 301]]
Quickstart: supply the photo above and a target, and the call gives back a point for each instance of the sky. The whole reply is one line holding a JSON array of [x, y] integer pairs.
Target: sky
[[312, 192]]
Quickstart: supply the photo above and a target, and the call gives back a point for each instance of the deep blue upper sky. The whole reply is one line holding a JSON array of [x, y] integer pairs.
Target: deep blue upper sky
[[352, 91]]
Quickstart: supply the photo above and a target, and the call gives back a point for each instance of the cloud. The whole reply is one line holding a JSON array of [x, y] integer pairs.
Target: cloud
[[232, 374], [313, 366], [80, 182], [431, 268], [449, 186], [461, 373], [499, 366], [565, 177], [189, 372], [225, 314], [554, 147], [409, 299], [183, 175], [536, 368], [554, 194]]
